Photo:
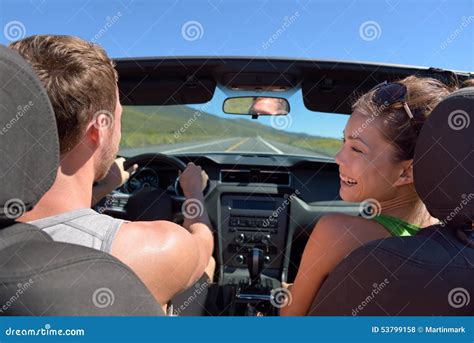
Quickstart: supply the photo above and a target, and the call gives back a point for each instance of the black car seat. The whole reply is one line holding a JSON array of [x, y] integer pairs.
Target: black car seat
[[433, 272], [38, 276]]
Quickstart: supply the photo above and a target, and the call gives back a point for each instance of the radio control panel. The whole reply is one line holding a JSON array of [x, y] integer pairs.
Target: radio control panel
[[250, 221]]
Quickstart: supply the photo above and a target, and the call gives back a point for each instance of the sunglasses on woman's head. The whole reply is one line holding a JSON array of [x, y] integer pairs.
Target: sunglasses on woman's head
[[389, 93]]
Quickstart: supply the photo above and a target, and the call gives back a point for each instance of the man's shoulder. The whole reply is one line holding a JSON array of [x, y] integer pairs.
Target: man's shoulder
[[153, 226], [84, 227], [151, 233]]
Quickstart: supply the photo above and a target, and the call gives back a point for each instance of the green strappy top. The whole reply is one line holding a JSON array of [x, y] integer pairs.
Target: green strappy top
[[396, 226]]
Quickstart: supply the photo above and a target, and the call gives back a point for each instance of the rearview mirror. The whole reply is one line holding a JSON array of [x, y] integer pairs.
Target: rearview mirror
[[256, 106]]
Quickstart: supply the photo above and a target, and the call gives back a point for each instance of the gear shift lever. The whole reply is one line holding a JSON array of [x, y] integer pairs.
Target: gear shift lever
[[255, 265]]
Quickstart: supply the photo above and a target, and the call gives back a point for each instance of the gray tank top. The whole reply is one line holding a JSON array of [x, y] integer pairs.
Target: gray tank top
[[82, 227]]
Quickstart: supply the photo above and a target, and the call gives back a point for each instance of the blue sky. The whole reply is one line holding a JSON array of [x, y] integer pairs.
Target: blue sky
[[422, 32]]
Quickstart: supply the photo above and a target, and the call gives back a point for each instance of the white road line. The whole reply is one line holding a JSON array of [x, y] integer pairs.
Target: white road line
[[278, 151], [197, 146]]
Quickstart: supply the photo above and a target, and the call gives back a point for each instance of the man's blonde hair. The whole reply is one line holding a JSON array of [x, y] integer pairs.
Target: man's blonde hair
[[79, 77]]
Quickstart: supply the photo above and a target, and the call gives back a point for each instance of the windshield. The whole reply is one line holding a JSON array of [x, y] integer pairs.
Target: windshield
[[205, 128]]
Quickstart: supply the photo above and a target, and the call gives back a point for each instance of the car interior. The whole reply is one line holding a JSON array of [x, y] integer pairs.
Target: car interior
[[255, 249], [263, 201]]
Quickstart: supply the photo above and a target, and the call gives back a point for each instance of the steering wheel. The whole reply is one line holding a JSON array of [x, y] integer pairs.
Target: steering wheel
[[155, 157], [152, 203]]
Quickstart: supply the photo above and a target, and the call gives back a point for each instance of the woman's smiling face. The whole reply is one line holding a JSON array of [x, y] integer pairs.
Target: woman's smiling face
[[366, 165]]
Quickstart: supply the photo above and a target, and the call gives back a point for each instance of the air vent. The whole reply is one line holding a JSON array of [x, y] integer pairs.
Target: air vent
[[255, 176], [279, 178], [239, 176]]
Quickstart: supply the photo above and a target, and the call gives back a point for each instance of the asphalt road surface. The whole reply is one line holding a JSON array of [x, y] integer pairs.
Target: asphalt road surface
[[229, 145]]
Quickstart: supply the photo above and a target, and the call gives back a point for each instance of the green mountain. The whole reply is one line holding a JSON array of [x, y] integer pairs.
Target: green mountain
[[153, 125]]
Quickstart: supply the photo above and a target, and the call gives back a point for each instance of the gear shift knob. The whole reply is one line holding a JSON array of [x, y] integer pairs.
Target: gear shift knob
[[255, 265]]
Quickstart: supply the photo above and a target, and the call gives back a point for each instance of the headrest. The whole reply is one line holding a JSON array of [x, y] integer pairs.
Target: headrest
[[29, 148], [444, 159]]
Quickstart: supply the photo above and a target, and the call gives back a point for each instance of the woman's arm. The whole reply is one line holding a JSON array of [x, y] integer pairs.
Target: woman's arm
[[332, 239]]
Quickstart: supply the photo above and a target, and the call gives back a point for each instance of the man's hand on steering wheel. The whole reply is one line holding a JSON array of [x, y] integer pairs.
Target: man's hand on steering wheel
[[117, 174], [193, 181], [116, 177]]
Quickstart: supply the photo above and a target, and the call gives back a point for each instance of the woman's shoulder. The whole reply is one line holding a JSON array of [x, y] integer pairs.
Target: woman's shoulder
[[344, 224]]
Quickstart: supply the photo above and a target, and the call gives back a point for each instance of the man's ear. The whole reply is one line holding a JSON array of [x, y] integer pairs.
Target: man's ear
[[98, 128], [406, 175]]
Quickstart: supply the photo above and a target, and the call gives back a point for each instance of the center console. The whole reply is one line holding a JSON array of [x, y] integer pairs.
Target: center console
[[252, 238], [249, 221]]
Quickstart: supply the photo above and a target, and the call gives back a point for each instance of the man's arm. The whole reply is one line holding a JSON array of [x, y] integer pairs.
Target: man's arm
[[167, 257], [164, 255], [196, 220]]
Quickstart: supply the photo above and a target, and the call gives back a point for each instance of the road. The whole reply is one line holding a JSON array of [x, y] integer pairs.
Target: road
[[230, 145]]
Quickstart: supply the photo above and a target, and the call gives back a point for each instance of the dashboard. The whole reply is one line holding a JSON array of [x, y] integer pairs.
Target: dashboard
[[269, 202], [144, 177]]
